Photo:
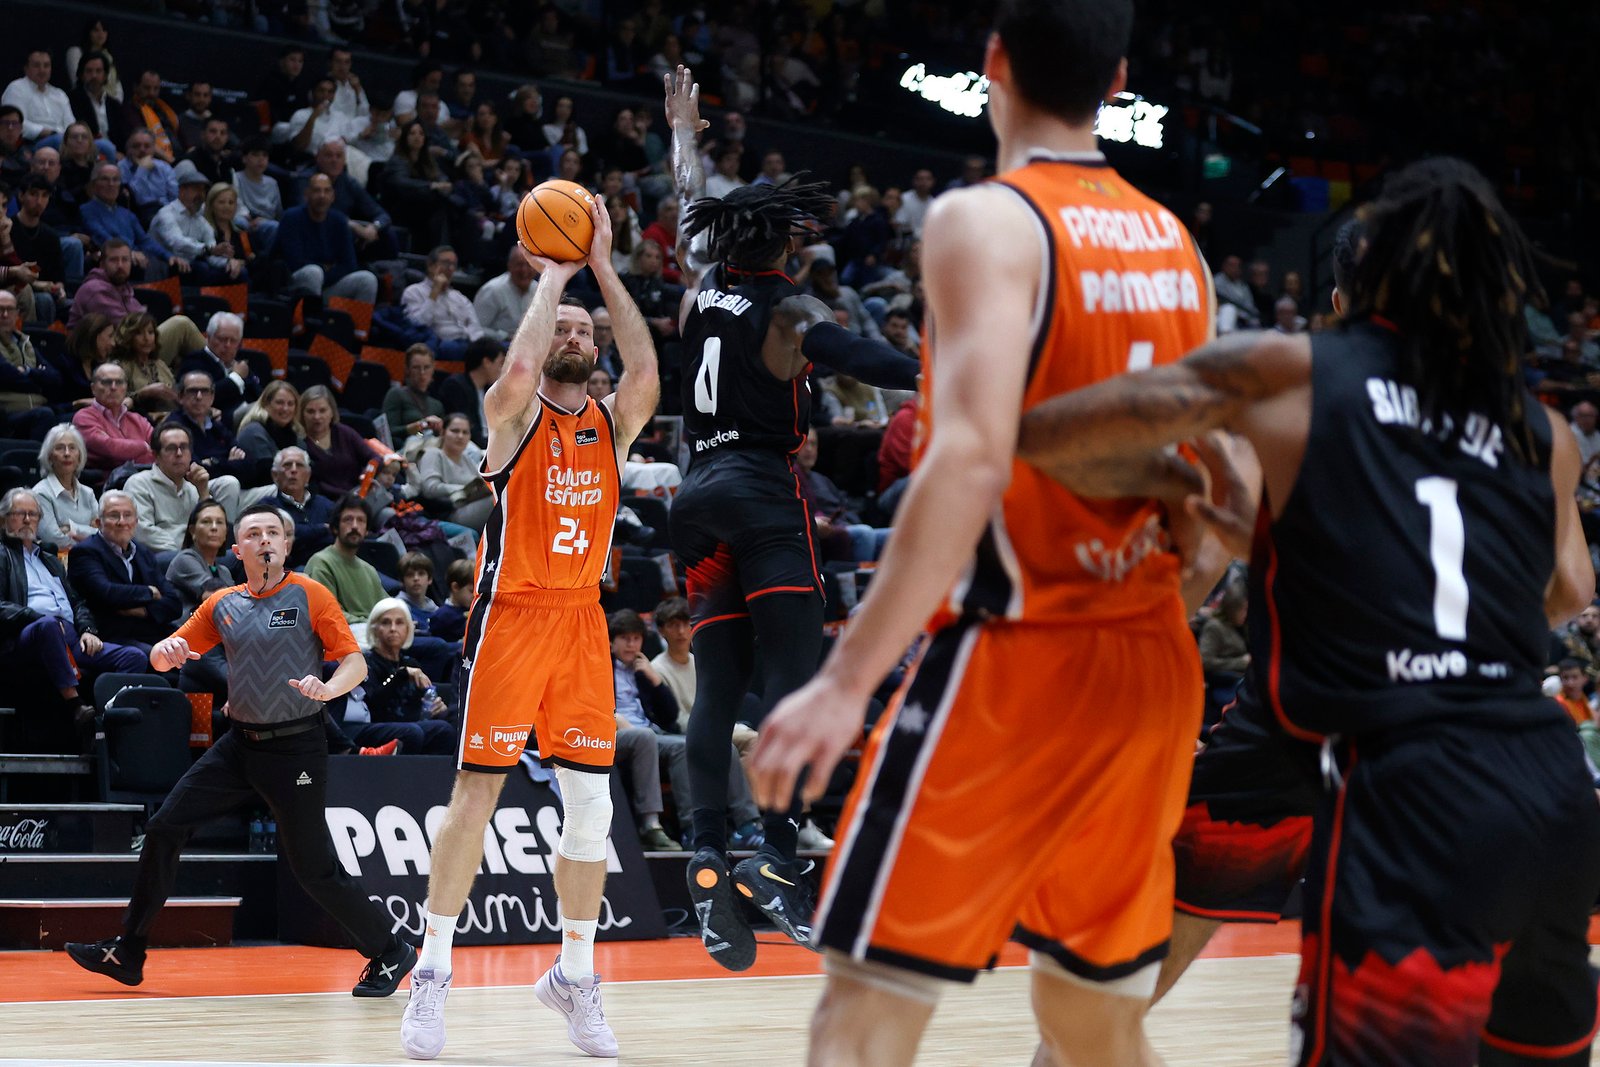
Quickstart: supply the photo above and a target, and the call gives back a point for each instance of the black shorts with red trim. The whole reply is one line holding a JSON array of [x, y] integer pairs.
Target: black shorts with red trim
[[1242, 846], [743, 531], [1447, 901]]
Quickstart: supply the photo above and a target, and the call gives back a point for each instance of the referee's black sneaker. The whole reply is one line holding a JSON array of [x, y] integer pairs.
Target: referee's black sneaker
[[723, 929], [782, 891], [114, 957], [384, 973]]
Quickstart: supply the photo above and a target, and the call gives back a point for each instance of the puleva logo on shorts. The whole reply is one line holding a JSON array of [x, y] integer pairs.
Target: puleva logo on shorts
[[587, 436], [576, 738], [508, 740], [283, 618]]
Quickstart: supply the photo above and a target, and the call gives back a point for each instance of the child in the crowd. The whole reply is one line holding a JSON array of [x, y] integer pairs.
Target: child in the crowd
[[416, 574], [450, 620]]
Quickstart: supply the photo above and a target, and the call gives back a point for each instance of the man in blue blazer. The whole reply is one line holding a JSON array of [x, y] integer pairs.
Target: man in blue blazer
[[120, 580]]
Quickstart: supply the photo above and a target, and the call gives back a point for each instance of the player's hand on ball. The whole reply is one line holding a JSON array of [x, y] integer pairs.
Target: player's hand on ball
[[560, 272], [312, 688], [600, 244], [808, 732]]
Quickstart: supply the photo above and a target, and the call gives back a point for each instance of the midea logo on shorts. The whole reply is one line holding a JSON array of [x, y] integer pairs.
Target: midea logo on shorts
[[576, 738]]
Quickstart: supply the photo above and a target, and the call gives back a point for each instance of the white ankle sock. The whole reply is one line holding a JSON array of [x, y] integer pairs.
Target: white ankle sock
[[441, 931], [577, 947]]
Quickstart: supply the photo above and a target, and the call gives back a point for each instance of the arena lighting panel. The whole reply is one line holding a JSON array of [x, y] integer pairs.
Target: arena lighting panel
[[1125, 119]]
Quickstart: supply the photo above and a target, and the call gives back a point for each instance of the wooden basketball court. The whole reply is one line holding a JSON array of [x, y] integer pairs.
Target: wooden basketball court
[[290, 1004]]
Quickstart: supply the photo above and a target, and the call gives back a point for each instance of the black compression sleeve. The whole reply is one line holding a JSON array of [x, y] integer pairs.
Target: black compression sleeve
[[873, 362]]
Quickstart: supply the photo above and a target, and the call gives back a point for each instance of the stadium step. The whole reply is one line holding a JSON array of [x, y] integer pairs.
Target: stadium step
[[251, 877], [31, 923], [57, 828], [13, 765]]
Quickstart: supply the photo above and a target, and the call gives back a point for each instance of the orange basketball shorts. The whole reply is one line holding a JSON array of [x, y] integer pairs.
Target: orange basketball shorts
[[1027, 781], [537, 669]]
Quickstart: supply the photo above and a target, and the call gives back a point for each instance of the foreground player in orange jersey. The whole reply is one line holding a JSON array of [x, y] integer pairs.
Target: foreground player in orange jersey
[[1033, 769]]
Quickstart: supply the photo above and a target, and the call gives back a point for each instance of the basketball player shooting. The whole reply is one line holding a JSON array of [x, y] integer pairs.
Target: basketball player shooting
[[739, 522], [990, 796], [1418, 537], [536, 656]]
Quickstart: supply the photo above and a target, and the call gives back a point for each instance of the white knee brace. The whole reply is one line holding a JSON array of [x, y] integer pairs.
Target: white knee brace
[[587, 798]]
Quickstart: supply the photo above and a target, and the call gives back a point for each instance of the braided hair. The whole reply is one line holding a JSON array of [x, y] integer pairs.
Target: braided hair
[[1447, 265], [750, 227]]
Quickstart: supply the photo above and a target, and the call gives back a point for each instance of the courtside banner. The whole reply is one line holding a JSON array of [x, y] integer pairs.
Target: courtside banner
[[384, 813]]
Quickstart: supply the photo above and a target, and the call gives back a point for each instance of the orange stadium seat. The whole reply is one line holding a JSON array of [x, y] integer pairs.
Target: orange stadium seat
[[392, 359], [360, 313], [237, 296], [338, 358], [168, 286], [276, 348]]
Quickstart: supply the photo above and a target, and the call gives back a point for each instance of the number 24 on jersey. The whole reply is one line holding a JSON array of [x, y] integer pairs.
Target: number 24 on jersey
[[570, 540]]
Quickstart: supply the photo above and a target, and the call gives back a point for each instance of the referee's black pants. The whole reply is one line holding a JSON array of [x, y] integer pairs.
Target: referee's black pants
[[290, 774]]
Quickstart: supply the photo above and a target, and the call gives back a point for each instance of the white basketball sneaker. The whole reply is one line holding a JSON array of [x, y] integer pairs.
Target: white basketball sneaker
[[422, 1027], [580, 1002]]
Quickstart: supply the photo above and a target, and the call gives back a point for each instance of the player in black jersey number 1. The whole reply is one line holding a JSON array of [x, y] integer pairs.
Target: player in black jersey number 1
[[1418, 536], [739, 523]]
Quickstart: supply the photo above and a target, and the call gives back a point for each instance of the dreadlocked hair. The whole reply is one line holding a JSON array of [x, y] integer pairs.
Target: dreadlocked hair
[[1452, 271], [749, 228]]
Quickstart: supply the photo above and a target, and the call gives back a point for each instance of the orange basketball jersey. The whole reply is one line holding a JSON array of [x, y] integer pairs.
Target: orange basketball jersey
[[555, 504], [1124, 288]]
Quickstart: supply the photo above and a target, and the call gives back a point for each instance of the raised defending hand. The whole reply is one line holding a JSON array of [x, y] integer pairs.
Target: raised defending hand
[[683, 100], [312, 688], [810, 728], [170, 654]]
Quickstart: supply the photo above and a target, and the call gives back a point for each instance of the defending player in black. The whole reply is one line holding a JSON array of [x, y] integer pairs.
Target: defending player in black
[[1417, 537], [739, 523]]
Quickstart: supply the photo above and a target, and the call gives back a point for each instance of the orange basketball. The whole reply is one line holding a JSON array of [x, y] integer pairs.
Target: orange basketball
[[553, 220]]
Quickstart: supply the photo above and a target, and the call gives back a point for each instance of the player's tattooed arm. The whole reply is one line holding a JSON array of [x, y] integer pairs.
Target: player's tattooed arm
[[1160, 473], [688, 172], [1214, 387]]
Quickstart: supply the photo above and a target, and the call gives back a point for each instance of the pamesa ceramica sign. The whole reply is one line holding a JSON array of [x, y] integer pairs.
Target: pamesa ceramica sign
[[385, 814]]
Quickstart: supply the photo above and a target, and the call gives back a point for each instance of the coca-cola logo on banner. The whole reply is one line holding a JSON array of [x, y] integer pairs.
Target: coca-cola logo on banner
[[23, 834]]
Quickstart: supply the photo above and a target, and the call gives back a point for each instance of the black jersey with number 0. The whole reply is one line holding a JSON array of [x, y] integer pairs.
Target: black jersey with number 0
[[1403, 580], [731, 401]]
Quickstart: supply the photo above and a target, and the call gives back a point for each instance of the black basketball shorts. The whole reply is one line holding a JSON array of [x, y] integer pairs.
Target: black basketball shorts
[[1447, 902], [743, 531], [1242, 846]]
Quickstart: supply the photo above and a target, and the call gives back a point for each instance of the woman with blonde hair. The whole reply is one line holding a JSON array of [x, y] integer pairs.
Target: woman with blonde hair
[[272, 423], [68, 507], [222, 211]]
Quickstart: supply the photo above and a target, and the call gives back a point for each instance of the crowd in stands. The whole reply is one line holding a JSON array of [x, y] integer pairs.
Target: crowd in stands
[[303, 299], [200, 310]]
